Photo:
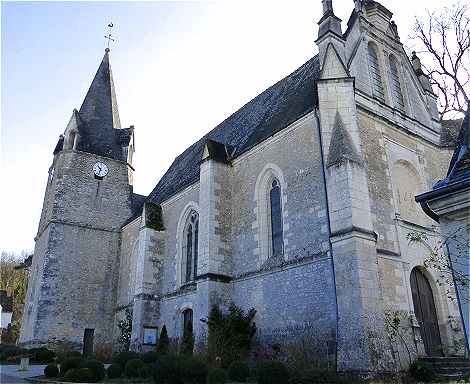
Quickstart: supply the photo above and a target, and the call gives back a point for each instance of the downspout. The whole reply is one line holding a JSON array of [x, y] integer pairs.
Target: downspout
[[322, 161]]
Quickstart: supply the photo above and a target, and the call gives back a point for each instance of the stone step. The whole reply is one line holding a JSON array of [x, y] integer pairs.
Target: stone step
[[435, 359], [451, 369]]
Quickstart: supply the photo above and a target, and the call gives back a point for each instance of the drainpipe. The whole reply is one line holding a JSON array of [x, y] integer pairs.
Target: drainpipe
[[322, 161]]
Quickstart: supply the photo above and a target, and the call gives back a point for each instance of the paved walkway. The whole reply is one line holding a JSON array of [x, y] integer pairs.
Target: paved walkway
[[9, 374]]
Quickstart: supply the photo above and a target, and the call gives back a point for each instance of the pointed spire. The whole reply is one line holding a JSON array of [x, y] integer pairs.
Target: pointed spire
[[99, 109], [329, 21], [341, 145]]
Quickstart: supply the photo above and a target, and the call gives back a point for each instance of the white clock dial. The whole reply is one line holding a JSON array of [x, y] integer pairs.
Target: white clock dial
[[100, 169]]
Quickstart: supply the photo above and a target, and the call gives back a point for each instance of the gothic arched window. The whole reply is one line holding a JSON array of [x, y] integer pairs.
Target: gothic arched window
[[187, 319], [377, 85], [190, 248], [277, 242], [395, 85]]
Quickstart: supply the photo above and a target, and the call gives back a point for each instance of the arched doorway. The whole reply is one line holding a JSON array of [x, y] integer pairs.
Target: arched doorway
[[425, 312]]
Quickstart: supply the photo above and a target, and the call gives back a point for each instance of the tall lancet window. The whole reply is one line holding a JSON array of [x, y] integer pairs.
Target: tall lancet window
[[277, 241], [190, 247], [395, 85], [377, 85]]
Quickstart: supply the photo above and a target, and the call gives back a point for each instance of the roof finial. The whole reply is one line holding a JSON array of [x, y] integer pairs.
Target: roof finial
[[109, 36]]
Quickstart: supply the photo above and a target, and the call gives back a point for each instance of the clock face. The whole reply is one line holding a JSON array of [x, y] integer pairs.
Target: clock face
[[100, 169]]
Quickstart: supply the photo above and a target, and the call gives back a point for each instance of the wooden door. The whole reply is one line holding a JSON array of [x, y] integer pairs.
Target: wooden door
[[425, 312], [88, 342]]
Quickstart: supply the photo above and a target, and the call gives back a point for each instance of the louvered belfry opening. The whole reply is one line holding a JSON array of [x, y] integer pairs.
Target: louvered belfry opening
[[377, 85]]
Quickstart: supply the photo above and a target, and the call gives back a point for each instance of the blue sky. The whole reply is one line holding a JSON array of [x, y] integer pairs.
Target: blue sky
[[179, 69]]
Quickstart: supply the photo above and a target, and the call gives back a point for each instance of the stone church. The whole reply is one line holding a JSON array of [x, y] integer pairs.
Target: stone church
[[300, 205]]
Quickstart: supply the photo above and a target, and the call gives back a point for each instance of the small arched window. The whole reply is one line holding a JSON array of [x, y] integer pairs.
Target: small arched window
[[188, 319], [377, 85], [71, 140], [190, 248], [277, 241], [395, 85]]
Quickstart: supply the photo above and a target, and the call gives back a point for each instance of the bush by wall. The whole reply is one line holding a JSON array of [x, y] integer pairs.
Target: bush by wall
[[217, 376], [51, 370], [123, 357], [132, 367], [96, 367], [149, 357], [71, 374], [168, 370], [230, 333], [84, 375], [70, 363], [421, 371], [238, 371], [41, 355], [114, 371], [146, 371], [163, 342], [194, 370], [272, 372]]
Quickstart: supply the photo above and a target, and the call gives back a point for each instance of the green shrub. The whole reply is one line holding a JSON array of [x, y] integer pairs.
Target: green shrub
[[145, 371], [315, 376], [70, 363], [217, 376], [41, 355], [149, 357], [51, 370], [84, 375], [272, 372], [71, 374], [168, 370], [238, 371], [194, 370], [132, 367], [123, 357], [11, 352], [114, 371], [96, 367], [187, 343], [421, 371], [230, 333], [61, 357], [163, 341]]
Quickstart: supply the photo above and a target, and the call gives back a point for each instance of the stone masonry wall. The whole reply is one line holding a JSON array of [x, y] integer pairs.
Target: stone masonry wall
[[80, 251]]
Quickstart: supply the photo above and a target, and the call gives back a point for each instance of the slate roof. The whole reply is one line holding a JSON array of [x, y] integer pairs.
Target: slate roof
[[97, 121], [459, 166], [341, 145], [268, 113], [450, 132]]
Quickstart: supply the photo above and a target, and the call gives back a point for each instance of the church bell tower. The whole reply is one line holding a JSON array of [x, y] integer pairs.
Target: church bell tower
[[72, 288]]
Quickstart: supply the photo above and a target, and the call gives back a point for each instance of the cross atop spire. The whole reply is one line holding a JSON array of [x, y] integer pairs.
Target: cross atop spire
[[109, 36]]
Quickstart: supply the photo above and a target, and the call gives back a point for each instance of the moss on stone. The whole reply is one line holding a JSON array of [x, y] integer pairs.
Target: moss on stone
[[153, 216]]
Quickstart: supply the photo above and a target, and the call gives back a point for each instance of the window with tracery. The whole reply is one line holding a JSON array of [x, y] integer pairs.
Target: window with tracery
[[190, 248]]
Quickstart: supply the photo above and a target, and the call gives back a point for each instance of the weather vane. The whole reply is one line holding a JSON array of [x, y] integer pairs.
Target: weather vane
[[109, 36]]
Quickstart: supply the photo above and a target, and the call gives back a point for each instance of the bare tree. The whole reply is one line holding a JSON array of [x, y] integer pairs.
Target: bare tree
[[443, 42]]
